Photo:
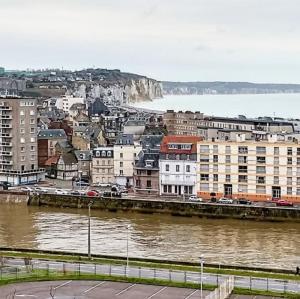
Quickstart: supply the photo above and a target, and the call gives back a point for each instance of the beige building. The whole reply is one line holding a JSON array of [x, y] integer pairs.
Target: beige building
[[102, 167], [125, 154], [183, 123], [18, 141], [256, 170]]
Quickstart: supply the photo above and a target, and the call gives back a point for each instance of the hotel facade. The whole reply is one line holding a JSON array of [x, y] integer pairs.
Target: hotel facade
[[256, 170]]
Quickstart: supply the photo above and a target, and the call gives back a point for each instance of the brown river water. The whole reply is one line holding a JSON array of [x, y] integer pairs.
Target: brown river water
[[262, 244]]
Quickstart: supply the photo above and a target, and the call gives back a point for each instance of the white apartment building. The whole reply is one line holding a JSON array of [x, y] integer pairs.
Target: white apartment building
[[125, 153], [256, 170], [65, 102], [177, 165]]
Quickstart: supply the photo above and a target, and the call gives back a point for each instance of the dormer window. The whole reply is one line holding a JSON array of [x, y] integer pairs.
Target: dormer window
[[103, 153]]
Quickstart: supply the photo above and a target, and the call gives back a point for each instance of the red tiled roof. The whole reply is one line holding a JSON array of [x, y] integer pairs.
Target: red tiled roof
[[179, 139], [52, 160]]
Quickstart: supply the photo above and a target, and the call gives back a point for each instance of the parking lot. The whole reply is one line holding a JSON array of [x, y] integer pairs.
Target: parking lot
[[101, 290]]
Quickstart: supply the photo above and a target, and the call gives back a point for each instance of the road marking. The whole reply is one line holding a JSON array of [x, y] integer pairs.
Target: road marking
[[159, 291], [190, 295], [125, 290], [24, 295], [94, 287], [62, 285]]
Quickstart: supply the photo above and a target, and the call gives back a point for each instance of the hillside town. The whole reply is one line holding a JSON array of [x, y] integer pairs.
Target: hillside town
[[89, 140]]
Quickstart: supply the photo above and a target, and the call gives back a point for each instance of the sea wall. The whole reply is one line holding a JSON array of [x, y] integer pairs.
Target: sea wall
[[13, 197], [187, 209]]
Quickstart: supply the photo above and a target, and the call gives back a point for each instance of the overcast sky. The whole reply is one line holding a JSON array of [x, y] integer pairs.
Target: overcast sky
[[182, 40]]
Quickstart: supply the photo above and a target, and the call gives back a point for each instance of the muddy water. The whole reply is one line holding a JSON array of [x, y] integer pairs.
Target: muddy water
[[153, 236]]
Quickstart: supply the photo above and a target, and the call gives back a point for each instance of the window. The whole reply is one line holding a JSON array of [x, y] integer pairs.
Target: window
[[103, 162], [22, 112], [298, 151], [242, 159], [121, 164], [276, 160], [188, 168], [227, 178], [165, 188], [32, 139], [204, 149], [167, 167], [215, 168], [243, 149], [204, 177], [298, 191], [261, 160], [22, 130], [32, 130], [289, 160], [215, 177], [261, 169], [215, 159], [215, 148], [121, 171], [243, 169], [204, 158], [22, 149], [276, 180], [243, 178], [276, 151], [289, 151], [215, 187], [260, 189], [134, 155], [227, 149], [204, 187], [22, 158], [149, 172], [260, 180], [276, 170], [22, 121], [22, 140], [289, 171], [298, 161], [227, 169], [261, 150], [227, 159], [169, 188], [298, 180], [32, 157], [289, 181], [177, 168], [289, 191], [138, 183], [243, 188], [32, 121], [149, 184], [121, 155], [98, 162]]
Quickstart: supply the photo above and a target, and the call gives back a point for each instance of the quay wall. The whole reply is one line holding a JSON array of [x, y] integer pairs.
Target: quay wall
[[184, 209]]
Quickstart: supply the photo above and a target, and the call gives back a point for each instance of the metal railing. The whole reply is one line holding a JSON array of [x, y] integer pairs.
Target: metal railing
[[223, 290], [17, 269]]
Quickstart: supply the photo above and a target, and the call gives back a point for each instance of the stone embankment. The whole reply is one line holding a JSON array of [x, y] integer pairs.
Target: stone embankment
[[187, 209], [13, 197]]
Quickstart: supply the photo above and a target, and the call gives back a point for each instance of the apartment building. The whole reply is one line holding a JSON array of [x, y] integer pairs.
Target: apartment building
[[102, 168], [125, 154], [18, 141], [182, 123], [256, 170], [177, 165]]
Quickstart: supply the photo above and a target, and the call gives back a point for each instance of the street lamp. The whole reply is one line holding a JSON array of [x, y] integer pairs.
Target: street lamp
[[201, 275], [89, 230], [127, 249], [80, 176]]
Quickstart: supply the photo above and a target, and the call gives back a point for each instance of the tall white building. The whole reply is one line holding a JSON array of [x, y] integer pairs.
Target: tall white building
[[177, 165], [65, 102], [256, 170]]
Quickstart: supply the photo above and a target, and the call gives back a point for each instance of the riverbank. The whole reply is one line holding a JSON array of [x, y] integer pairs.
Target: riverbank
[[174, 208]]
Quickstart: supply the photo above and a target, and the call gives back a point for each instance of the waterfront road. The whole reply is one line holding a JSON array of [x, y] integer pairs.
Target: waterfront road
[[245, 282]]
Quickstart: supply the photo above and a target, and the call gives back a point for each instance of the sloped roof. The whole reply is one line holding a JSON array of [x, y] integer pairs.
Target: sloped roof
[[179, 140], [52, 134], [52, 160], [69, 158], [125, 139], [83, 155]]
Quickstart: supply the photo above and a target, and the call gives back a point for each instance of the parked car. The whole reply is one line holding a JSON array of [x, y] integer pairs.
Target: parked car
[[112, 194], [103, 185], [244, 201], [283, 203], [82, 184], [92, 193], [195, 198], [4, 183], [75, 192], [26, 189], [61, 192], [225, 200], [40, 190]]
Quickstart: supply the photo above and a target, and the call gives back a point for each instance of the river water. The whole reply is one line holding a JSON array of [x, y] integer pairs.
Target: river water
[[250, 105], [262, 244]]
